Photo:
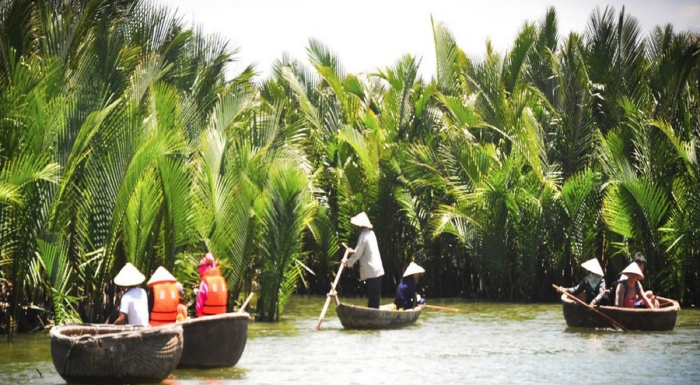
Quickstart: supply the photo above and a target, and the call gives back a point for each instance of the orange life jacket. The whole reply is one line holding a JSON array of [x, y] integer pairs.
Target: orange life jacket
[[217, 293], [165, 300]]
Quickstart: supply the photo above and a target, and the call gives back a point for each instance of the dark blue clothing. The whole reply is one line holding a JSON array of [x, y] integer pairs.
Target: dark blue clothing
[[374, 292], [406, 293]]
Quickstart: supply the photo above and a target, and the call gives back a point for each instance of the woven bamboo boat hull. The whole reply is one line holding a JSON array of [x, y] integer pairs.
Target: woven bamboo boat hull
[[105, 354], [661, 319], [359, 317], [214, 341]]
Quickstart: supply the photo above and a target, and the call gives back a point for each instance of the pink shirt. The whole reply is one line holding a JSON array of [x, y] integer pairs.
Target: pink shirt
[[202, 295]]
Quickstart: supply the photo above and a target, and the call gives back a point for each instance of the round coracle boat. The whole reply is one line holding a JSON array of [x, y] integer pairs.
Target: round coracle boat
[[660, 319], [108, 354], [214, 340]]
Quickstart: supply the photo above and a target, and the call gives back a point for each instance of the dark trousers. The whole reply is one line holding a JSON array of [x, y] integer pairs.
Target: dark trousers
[[374, 292]]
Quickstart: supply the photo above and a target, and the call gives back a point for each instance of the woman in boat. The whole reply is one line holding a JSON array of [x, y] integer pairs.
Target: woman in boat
[[406, 297], [212, 294], [641, 263], [134, 303], [164, 297], [367, 253], [629, 292], [593, 284]]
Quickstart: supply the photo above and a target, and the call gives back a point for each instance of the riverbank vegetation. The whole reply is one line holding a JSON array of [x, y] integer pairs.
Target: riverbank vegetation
[[123, 139]]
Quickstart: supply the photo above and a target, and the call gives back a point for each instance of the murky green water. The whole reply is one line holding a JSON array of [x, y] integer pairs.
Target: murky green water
[[485, 343]]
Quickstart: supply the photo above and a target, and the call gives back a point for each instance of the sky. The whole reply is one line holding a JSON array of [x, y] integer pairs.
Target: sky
[[371, 34]]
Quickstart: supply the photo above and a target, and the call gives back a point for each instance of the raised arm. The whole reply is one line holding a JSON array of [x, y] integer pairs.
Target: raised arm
[[359, 249]]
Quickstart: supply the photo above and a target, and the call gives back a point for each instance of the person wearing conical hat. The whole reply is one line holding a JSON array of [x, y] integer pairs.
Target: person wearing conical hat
[[367, 253], [134, 303], [406, 297], [213, 293], [641, 262], [629, 292], [593, 284], [164, 298]]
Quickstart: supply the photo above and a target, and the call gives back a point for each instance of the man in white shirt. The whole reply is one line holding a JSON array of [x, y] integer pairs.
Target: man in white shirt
[[367, 252], [134, 304]]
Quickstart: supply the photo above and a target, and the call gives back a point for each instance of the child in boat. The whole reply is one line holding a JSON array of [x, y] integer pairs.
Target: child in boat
[[133, 306], [406, 297], [593, 284], [629, 292], [367, 253]]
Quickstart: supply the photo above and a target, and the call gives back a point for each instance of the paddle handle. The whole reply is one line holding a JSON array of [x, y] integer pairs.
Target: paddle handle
[[441, 308], [576, 299], [332, 292], [242, 309]]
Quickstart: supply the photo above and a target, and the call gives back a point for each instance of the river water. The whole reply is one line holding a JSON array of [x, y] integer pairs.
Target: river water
[[486, 343]]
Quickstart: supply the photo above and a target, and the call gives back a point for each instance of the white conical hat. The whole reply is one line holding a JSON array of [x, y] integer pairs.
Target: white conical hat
[[413, 268], [361, 220], [161, 275], [129, 275], [593, 266], [633, 268]]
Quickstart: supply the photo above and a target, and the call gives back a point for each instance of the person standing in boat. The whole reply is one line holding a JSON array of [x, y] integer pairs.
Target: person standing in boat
[[164, 298], [593, 284], [212, 294], [367, 253], [406, 297], [133, 306], [629, 292]]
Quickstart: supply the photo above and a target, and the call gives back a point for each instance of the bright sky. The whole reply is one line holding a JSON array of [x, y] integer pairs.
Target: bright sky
[[370, 34]]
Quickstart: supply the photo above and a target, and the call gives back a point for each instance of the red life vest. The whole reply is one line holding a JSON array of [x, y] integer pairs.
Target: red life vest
[[217, 293], [165, 300]]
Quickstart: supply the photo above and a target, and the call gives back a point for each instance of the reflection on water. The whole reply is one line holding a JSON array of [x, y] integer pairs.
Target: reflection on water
[[483, 343]]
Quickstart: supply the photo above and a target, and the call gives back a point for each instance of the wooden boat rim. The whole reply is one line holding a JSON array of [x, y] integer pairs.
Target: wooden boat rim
[[128, 331], [216, 317], [674, 306], [415, 309]]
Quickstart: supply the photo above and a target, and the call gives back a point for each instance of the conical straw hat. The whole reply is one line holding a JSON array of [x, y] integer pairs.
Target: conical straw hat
[[361, 220], [161, 275], [593, 266], [633, 268], [413, 268], [129, 275]]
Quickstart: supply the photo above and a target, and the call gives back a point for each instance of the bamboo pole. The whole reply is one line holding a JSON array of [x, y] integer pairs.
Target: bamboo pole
[[332, 292], [441, 308], [242, 309], [591, 308]]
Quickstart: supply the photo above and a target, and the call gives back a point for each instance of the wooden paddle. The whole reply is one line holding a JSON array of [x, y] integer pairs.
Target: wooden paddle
[[591, 308], [242, 309], [441, 308], [332, 292]]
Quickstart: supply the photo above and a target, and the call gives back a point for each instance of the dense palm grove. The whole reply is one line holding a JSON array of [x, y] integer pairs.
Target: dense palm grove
[[122, 139]]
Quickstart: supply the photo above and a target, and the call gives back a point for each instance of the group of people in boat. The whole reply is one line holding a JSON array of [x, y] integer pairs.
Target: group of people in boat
[[626, 292], [163, 303], [371, 269]]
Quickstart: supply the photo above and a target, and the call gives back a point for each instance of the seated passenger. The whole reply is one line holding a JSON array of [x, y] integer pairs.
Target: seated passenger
[[629, 292], [593, 284], [641, 263], [406, 297]]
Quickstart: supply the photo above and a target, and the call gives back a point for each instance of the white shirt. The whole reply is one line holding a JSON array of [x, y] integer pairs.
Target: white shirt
[[135, 305], [367, 252]]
